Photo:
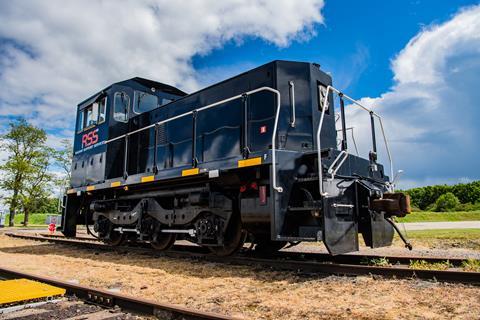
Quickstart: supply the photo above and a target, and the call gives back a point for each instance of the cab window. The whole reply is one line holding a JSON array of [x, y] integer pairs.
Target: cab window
[[121, 105], [102, 110], [92, 115], [80, 121], [144, 102]]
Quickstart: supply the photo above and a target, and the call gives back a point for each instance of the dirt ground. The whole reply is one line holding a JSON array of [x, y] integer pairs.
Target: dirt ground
[[245, 292]]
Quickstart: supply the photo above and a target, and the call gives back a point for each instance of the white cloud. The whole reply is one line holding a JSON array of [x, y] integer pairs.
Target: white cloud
[[432, 112], [54, 54]]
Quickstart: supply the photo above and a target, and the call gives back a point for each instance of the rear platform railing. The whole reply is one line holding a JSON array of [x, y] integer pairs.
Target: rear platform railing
[[194, 113], [342, 156]]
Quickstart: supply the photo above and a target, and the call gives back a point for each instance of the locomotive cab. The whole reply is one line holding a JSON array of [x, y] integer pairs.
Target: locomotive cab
[[107, 115]]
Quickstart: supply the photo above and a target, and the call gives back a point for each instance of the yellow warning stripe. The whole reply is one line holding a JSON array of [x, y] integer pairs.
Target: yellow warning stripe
[[249, 162], [90, 188], [115, 184], [148, 178], [190, 172]]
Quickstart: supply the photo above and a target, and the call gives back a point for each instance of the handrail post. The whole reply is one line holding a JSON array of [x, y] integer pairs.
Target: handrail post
[[319, 148], [245, 149], [194, 138], [344, 126], [125, 160], [155, 141], [274, 140], [374, 140]]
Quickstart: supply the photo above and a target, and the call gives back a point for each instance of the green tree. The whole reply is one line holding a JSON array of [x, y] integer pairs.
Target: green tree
[[37, 187], [446, 202], [25, 145], [63, 159]]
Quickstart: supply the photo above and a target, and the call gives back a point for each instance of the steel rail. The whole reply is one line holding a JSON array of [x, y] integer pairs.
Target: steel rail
[[364, 259], [110, 299], [283, 261], [296, 255]]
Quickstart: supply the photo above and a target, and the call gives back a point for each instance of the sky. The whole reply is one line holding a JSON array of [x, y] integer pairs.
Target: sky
[[416, 63]]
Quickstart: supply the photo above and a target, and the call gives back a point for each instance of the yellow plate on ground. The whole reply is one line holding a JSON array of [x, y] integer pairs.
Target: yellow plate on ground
[[19, 290]]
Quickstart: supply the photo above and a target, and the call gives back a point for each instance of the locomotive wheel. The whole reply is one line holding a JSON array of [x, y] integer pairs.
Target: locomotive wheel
[[163, 241], [234, 238], [269, 246], [115, 238]]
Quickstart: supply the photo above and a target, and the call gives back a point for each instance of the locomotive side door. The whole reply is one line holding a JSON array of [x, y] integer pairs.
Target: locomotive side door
[[120, 113]]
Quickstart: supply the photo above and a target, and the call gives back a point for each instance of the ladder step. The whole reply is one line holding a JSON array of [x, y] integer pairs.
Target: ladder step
[[307, 179], [303, 208]]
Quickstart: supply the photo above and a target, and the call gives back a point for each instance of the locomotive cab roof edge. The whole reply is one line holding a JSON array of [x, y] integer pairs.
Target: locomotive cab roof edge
[[145, 82]]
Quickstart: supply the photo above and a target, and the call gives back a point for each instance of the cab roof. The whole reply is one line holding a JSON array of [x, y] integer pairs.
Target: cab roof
[[142, 81]]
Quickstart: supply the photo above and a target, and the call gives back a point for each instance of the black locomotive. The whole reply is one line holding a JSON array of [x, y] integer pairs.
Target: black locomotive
[[252, 157]]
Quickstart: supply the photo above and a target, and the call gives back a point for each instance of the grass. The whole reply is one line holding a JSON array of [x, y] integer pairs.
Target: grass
[[471, 265], [446, 238], [446, 234], [379, 262], [34, 219], [424, 265], [427, 216]]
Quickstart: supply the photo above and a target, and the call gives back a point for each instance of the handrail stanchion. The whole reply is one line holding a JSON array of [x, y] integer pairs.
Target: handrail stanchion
[[387, 148], [194, 138], [245, 149], [344, 126], [274, 138], [374, 139], [125, 160], [319, 149], [155, 141]]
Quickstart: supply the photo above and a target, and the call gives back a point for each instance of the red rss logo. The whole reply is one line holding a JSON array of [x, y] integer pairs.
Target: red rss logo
[[90, 138]]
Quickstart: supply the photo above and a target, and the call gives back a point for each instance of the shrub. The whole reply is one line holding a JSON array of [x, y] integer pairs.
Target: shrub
[[468, 207], [446, 202], [425, 197]]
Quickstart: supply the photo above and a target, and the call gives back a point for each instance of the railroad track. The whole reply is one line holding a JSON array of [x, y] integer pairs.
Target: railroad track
[[310, 263], [110, 299], [304, 256]]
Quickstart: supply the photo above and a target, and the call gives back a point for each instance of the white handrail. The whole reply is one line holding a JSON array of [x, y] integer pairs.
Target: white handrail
[[353, 138], [277, 114], [333, 169], [292, 102], [320, 124]]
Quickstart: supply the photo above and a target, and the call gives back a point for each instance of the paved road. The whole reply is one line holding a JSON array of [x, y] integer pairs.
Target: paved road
[[441, 225]]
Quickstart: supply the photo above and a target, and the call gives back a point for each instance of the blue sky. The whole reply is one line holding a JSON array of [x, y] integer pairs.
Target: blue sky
[[356, 42], [416, 62]]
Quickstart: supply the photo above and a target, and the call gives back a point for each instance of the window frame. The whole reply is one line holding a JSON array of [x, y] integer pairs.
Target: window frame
[[80, 121], [104, 110], [134, 105], [87, 126], [82, 113], [127, 116]]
